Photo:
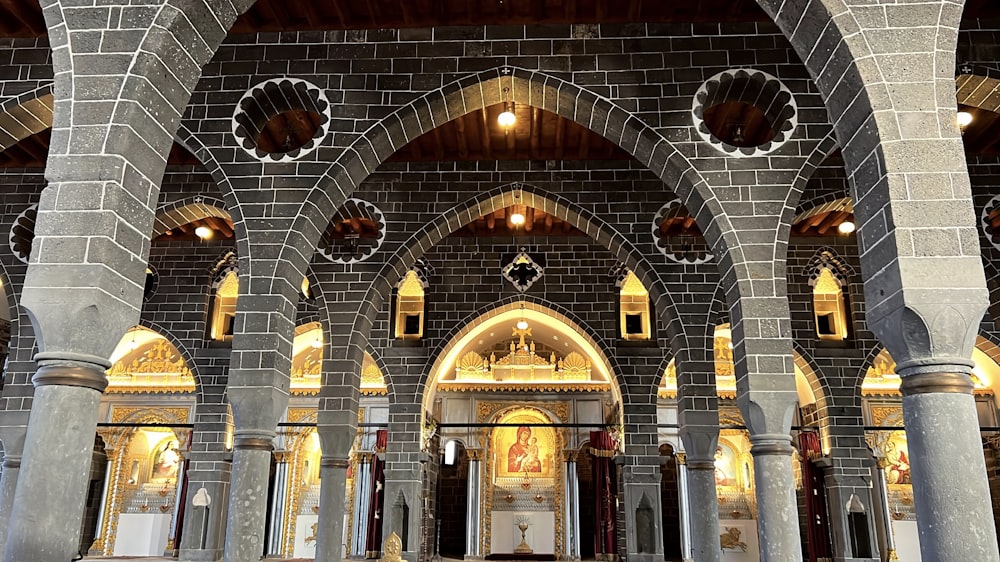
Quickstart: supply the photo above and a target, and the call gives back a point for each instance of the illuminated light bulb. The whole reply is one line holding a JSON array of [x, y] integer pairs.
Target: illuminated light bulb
[[317, 343], [517, 219], [729, 344], [203, 232], [522, 325], [964, 119], [507, 118], [846, 227]]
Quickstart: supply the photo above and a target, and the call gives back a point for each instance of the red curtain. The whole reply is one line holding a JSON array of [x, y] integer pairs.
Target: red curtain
[[602, 449], [817, 531], [373, 544]]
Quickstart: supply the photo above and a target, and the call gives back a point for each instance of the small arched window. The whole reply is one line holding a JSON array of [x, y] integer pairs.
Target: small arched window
[[224, 307], [634, 305], [828, 307], [410, 307]]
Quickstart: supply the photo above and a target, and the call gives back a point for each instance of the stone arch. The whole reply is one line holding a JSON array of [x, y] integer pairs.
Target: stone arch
[[182, 349], [473, 92], [181, 212], [25, 115], [472, 321], [861, 99], [811, 372], [195, 146], [449, 221], [823, 149]]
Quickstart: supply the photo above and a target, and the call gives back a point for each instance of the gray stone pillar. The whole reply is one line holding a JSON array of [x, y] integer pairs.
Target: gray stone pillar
[[700, 442], [333, 490], [248, 496], [52, 485], [704, 520], [8, 483], [777, 511], [643, 513], [209, 470], [950, 489]]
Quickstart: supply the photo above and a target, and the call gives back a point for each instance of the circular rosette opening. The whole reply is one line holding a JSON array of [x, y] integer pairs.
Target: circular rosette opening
[[282, 119], [23, 233], [354, 234], [744, 112]]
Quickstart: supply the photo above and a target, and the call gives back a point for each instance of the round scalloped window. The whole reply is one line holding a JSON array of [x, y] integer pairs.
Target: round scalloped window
[[282, 119], [744, 112], [23, 233]]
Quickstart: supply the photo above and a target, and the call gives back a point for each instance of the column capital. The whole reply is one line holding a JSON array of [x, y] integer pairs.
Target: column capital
[[776, 444], [11, 461], [254, 439], [84, 371], [935, 382], [334, 462]]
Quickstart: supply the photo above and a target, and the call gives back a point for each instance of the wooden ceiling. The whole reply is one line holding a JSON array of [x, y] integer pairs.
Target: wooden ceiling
[[536, 135], [33, 151], [536, 223], [221, 229]]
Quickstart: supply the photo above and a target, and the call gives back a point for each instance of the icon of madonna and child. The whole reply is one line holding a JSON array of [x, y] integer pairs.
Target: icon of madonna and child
[[523, 455]]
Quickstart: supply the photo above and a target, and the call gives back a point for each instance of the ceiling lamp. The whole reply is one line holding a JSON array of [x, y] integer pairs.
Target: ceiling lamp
[[522, 324], [507, 118], [203, 232], [517, 218], [846, 227], [964, 119], [316, 343]]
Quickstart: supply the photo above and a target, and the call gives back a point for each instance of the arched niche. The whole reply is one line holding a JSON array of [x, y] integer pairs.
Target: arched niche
[[522, 348], [145, 362], [307, 364]]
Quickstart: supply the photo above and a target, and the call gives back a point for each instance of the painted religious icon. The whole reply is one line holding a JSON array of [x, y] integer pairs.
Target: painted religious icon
[[166, 461], [523, 454], [897, 470], [725, 466]]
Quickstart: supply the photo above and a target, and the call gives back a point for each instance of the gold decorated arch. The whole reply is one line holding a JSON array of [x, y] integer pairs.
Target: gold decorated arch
[[146, 362], [307, 364]]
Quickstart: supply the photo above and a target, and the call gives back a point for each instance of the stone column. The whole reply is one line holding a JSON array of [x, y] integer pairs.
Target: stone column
[[685, 505], [777, 510], [473, 543], [209, 466], [950, 488], [52, 485], [279, 499], [699, 447], [333, 489], [248, 495], [8, 483]]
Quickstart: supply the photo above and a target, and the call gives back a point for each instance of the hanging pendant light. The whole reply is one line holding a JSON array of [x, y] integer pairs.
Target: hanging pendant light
[[507, 118]]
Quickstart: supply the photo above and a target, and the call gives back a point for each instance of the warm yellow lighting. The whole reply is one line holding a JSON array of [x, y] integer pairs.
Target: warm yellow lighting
[[517, 218], [964, 119], [846, 227], [316, 343], [507, 118], [522, 325], [203, 232]]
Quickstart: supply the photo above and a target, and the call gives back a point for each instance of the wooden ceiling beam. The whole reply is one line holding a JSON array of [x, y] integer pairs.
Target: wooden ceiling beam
[[463, 142], [438, 143], [535, 132], [485, 124]]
